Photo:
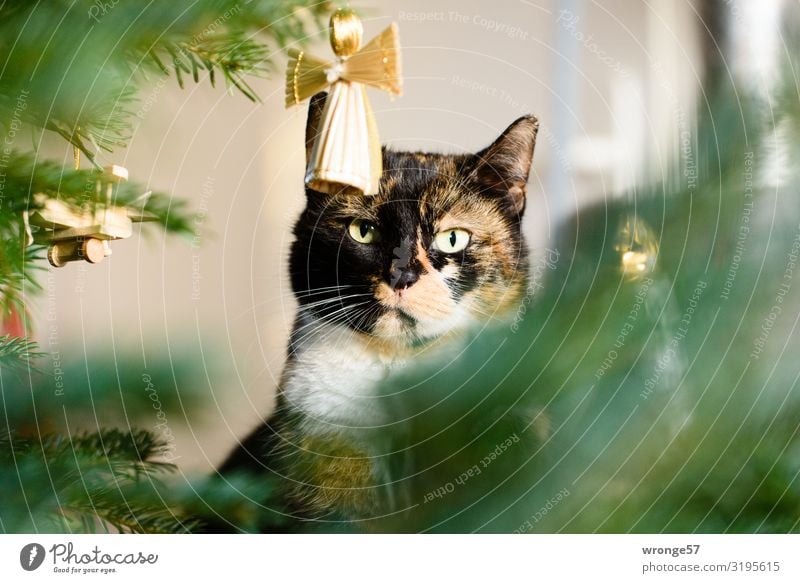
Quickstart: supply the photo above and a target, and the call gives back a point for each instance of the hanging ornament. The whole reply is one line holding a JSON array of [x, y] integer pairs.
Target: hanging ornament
[[346, 155], [637, 246], [75, 233]]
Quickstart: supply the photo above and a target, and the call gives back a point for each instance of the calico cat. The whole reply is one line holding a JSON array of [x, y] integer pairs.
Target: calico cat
[[385, 281]]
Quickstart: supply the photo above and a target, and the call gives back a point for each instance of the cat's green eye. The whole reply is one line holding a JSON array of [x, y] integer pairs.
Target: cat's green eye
[[452, 240], [363, 231]]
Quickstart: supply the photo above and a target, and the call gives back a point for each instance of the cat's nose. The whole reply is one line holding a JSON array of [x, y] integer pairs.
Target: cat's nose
[[403, 278], [404, 269]]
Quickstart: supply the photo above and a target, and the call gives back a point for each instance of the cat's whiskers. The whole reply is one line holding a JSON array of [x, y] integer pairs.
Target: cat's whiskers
[[320, 309], [332, 326], [339, 316], [329, 317], [356, 320], [431, 308], [319, 290], [475, 307], [324, 330], [326, 301], [319, 320], [365, 315], [305, 294], [487, 315]]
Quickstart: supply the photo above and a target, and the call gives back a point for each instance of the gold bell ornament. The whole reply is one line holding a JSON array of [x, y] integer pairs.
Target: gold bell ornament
[[82, 233], [346, 155], [637, 246]]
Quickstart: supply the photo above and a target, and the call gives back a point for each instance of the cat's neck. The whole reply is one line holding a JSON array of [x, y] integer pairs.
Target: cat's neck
[[334, 373]]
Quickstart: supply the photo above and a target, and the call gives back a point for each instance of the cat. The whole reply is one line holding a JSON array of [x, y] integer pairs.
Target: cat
[[385, 281]]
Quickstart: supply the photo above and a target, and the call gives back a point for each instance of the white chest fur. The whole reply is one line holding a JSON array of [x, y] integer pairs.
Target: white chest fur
[[334, 379]]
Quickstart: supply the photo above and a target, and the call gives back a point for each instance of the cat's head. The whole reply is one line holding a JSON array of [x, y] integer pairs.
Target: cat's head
[[437, 249]]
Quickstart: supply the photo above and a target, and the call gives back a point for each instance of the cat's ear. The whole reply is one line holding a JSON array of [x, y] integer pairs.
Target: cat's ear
[[315, 108], [502, 169]]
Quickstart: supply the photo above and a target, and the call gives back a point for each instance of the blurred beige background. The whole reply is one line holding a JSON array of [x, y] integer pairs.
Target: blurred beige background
[[609, 81]]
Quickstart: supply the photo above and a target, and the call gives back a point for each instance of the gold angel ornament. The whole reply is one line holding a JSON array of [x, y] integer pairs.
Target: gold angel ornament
[[346, 155]]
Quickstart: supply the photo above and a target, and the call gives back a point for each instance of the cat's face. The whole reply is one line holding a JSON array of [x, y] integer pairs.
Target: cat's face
[[436, 250]]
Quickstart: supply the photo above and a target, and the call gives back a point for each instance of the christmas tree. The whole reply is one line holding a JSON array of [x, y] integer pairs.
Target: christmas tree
[[78, 70]]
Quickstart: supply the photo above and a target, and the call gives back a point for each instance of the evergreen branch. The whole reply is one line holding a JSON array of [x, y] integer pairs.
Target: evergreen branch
[[109, 382], [94, 478], [235, 56], [18, 265], [82, 86], [112, 480], [17, 354], [137, 447], [73, 138]]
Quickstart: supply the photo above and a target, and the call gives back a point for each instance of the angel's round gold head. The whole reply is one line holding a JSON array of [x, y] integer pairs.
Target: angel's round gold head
[[346, 32]]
